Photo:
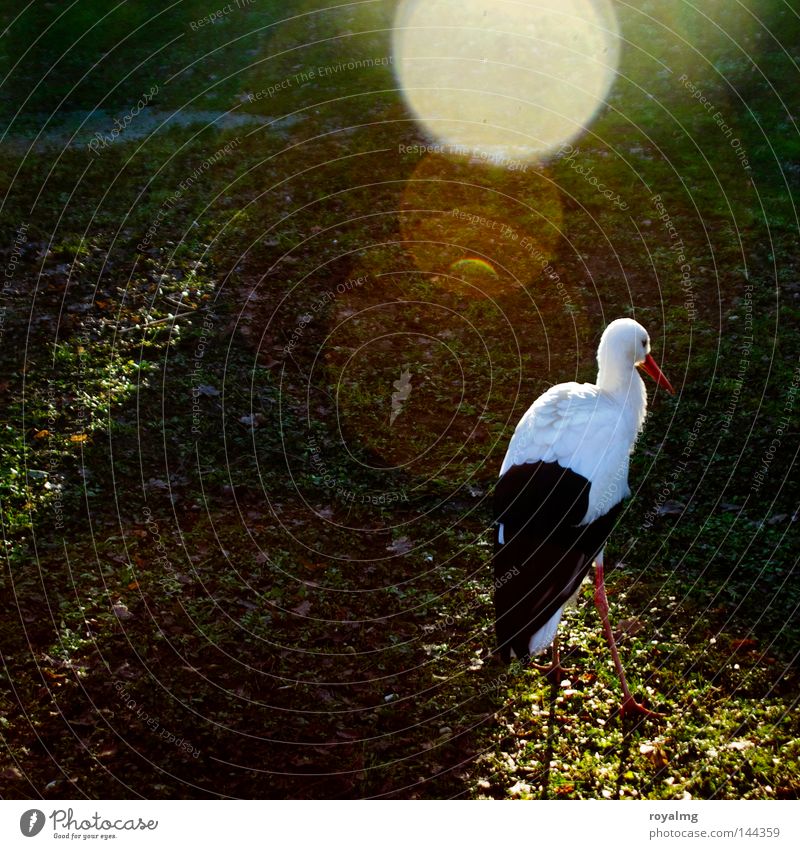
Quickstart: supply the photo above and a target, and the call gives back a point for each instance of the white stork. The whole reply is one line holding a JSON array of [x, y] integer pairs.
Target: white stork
[[560, 491]]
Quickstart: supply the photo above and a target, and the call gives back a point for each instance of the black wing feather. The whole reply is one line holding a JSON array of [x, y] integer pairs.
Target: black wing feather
[[546, 553]]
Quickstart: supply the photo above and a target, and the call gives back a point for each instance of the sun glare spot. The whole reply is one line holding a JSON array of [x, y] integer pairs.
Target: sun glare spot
[[509, 79]]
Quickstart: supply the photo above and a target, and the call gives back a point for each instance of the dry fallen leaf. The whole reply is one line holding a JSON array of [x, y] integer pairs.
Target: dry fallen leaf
[[11, 774], [302, 608], [631, 627], [400, 546], [121, 611], [655, 754], [671, 508], [252, 421]]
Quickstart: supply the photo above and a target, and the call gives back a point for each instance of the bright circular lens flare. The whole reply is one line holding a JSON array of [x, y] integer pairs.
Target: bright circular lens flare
[[509, 79]]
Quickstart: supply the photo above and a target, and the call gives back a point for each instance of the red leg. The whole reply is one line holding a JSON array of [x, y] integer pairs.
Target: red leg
[[629, 704]]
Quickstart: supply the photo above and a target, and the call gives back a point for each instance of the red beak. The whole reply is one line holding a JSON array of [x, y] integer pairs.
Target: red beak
[[649, 365]]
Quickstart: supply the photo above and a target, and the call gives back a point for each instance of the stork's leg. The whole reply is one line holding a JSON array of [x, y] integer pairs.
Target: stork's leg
[[629, 704]]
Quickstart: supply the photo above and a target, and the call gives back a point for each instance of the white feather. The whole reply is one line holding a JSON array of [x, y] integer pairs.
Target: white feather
[[585, 429], [543, 638]]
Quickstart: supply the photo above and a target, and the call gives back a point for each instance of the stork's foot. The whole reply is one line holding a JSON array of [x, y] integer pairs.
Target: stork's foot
[[630, 707], [554, 672]]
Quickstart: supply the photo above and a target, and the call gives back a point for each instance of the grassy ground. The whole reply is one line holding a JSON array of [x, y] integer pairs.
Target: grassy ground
[[227, 570]]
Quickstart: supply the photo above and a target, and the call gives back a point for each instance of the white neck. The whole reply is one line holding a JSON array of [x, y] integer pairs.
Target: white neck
[[625, 386]]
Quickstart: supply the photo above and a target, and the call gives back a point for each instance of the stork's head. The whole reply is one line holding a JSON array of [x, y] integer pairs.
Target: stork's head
[[625, 344]]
